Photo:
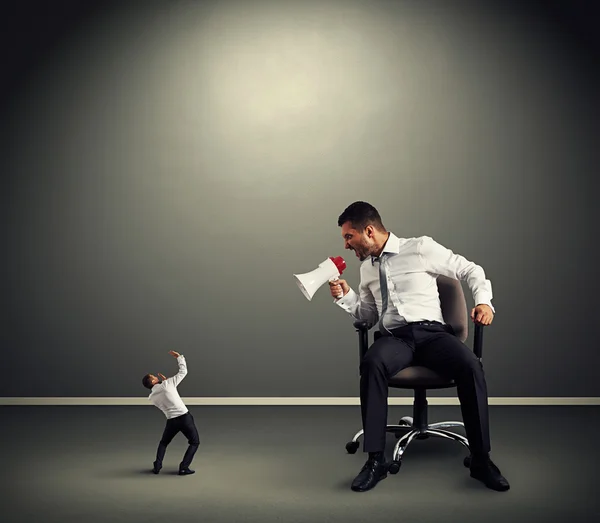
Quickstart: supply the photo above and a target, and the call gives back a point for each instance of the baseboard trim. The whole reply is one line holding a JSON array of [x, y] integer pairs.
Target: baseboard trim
[[291, 401]]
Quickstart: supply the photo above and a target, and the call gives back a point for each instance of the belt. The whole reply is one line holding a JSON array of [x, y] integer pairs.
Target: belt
[[402, 328]]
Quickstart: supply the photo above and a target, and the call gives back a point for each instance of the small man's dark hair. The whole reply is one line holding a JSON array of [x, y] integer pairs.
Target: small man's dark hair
[[147, 381]]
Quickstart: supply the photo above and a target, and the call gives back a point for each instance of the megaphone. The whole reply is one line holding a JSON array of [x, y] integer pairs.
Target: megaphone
[[329, 270]]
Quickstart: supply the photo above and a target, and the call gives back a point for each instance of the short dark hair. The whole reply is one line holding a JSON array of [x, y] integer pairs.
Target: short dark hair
[[147, 381], [361, 214]]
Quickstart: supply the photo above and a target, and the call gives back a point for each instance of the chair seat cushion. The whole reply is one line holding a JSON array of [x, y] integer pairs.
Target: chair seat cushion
[[419, 377]]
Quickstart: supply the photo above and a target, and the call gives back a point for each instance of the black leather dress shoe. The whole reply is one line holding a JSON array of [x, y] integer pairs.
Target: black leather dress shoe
[[156, 469], [372, 472], [186, 472], [489, 474]]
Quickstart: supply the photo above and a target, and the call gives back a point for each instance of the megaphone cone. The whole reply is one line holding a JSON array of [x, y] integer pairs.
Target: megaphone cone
[[329, 270]]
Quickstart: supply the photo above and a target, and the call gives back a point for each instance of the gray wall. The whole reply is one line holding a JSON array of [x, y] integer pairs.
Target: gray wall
[[168, 166]]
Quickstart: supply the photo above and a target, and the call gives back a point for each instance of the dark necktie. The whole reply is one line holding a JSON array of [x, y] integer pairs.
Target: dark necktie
[[384, 292]]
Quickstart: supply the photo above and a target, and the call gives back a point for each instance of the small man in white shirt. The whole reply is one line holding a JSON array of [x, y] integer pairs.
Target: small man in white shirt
[[165, 396]]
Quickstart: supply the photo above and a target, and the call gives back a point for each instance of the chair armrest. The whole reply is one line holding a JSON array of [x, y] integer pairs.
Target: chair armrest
[[362, 327], [478, 340]]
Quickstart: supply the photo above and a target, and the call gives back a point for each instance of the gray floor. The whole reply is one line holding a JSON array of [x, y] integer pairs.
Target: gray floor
[[288, 464]]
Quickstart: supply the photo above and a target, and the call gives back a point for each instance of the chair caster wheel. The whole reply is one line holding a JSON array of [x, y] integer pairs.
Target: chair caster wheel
[[352, 447], [394, 467], [406, 421], [467, 462]]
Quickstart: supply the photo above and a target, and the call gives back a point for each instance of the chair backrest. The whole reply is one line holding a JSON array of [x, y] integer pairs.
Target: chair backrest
[[454, 305]]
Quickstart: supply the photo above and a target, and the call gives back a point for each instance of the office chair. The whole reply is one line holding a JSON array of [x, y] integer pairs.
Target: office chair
[[420, 379]]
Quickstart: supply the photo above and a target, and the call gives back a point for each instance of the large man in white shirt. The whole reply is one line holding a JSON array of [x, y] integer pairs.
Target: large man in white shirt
[[413, 332], [165, 396]]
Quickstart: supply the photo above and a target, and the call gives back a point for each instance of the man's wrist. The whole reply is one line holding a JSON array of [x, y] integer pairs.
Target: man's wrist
[[487, 304]]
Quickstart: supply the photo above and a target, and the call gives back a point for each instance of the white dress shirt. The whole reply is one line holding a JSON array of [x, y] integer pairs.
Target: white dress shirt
[[165, 395], [412, 266]]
